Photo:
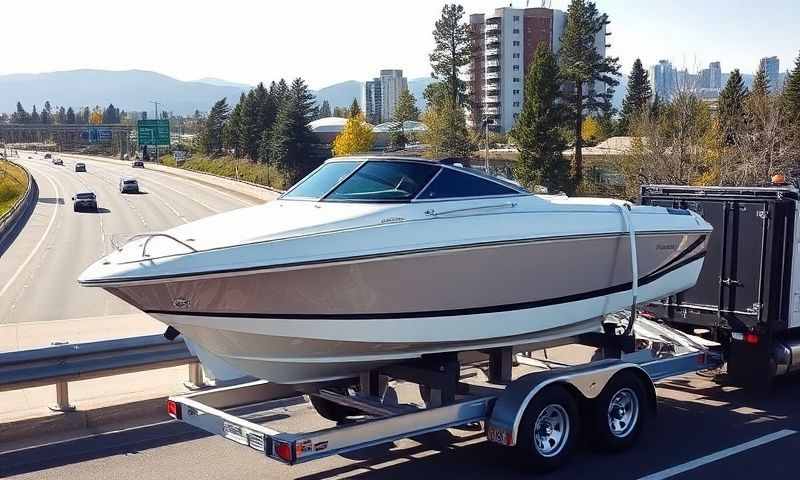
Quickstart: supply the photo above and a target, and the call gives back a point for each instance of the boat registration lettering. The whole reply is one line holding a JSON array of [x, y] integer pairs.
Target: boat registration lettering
[[666, 246]]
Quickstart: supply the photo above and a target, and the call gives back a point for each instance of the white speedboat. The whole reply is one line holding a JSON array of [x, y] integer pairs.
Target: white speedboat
[[369, 261]]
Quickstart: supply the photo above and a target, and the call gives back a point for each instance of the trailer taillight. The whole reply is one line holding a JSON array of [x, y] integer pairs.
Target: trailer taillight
[[284, 451], [751, 338], [173, 409]]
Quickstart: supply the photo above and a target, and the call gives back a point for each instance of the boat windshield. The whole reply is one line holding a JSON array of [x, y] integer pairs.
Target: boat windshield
[[321, 181], [396, 181]]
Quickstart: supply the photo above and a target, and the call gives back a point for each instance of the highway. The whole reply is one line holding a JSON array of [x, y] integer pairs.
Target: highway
[[38, 270]]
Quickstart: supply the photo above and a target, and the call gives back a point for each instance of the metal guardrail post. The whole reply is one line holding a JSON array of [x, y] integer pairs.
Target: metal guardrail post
[[62, 398], [196, 380]]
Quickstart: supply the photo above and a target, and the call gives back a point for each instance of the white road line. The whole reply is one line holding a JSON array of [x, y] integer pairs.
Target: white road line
[[678, 469], [41, 240]]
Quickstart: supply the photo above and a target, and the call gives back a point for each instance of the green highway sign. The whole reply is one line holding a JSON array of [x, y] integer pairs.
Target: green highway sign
[[153, 132]]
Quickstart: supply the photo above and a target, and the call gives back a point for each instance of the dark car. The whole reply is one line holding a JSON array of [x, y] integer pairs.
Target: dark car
[[47, 156], [128, 185], [138, 164], [84, 201], [80, 167]]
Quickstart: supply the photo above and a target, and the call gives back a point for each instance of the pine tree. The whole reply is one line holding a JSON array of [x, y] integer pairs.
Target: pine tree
[[211, 138], [405, 111], [452, 51], [20, 116], [35, 116], [791, 96], [638, 97], [585, 68], [290, 136], [325, 110], [355, 109], [731, 107], [447, 134], [70, 118], [538, 128], [61, 116], [656, 107], [231, 134], [761, 84]]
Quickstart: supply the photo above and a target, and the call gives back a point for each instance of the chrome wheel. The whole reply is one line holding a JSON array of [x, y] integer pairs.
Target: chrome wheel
[[623, 412], [551, 430]]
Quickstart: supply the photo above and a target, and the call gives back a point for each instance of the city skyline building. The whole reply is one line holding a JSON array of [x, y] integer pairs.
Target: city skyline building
[[381, 95], [506, 41], [772, 66]]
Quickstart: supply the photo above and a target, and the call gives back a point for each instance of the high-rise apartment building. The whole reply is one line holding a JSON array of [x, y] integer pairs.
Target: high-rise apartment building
[[773, 68], [715, 75], [663, 79], [506, 41], [381, 95]]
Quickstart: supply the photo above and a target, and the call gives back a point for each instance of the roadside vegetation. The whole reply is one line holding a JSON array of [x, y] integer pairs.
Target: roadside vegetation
[[13, 182], [232, 167]]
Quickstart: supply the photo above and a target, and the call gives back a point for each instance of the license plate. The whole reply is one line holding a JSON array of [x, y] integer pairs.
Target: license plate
[[233, 432], [496, 435]]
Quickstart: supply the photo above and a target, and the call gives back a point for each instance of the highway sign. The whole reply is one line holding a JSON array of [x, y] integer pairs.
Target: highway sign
[[153, 132], [96, 134]]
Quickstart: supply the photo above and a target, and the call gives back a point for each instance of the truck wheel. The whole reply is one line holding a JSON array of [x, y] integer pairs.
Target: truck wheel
[[331, 410], [619, 412], [549, 429]]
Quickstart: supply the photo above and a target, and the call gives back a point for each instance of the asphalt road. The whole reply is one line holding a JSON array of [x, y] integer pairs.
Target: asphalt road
[[703, 430], [39, 268]]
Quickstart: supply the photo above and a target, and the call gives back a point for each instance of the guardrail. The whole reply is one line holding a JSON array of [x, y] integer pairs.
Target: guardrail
[[60, 364], [9, 218]]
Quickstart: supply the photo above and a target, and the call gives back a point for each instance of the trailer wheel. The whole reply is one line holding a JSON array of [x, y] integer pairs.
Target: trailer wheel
[[549, 429], [619, 412], [331, 410]]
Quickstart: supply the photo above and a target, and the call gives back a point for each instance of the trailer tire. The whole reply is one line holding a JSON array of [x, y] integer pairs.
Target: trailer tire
[[619, 412], [549, 430]]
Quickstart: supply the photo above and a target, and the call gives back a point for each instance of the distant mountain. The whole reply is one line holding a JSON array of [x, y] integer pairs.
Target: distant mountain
[[129, 90], [340, 94], [223, 83], [416, 86]]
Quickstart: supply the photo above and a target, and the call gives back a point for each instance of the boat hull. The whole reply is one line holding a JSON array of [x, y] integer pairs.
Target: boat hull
[[307, 350]]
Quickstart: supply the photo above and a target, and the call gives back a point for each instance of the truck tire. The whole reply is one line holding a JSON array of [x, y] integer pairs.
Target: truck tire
[[619, 412], [549, 430]]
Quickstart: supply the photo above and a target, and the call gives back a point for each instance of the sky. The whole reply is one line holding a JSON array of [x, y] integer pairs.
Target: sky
[[328, 41]]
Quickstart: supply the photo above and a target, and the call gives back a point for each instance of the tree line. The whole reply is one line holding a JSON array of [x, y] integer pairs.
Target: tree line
[[750, 135], [48, 115], [268, 125]]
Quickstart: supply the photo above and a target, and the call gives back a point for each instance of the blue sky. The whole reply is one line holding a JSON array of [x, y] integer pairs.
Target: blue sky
[[328, 41]]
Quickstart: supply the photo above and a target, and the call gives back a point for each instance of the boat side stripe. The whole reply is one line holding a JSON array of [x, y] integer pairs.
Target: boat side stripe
[[676, 264]]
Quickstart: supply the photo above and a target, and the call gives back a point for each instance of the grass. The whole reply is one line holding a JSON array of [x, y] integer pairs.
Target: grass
[[230, 167], [13, 183]]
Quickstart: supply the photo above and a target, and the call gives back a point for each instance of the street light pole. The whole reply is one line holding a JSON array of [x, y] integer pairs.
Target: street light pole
[[156, 119]]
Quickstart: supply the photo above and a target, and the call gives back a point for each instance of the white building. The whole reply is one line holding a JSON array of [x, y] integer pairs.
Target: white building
[[381, 95]]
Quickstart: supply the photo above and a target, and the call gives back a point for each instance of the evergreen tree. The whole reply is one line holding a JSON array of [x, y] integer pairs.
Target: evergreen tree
[[341, 112], [355, 109], [35, 116], [791, 95], [231, 135], [538, 128], [20, 116], [47, 113], [731, 107], [61, 116], [405, 111], [70, 117], [761, 84], [452, 51], [288, 141], [638, 97], [211, 137], [325, 110], [585, 68], [111, 114]]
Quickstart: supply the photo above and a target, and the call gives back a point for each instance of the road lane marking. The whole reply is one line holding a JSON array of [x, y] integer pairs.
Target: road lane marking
[[699, 462], [38, 244]]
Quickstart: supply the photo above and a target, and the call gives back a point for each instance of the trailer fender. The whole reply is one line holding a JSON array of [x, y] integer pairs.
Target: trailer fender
[[584, 381]]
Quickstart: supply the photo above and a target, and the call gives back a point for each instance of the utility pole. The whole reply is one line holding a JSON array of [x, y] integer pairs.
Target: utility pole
[[156, 135]]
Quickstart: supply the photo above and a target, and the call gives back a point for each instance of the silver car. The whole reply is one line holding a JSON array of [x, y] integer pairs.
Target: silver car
[[128, 185]]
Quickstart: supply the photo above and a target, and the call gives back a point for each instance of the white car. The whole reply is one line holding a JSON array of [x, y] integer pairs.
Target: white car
[[128, 185]]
